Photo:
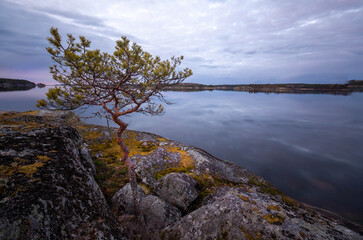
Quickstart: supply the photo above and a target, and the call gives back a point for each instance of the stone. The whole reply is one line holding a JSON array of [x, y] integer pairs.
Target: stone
[[48, 190], [234, 213], [123, 203], [158, 160], [178, 189], [158, 213]]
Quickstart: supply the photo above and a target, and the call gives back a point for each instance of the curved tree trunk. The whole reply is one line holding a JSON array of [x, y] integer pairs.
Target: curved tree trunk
[[131, 170]]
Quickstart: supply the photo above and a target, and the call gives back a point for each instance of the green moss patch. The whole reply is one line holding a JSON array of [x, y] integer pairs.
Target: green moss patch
[[111, 173], [24, 166]]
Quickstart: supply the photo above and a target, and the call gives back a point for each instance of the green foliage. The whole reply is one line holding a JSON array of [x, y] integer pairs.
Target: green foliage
[[122, 82]]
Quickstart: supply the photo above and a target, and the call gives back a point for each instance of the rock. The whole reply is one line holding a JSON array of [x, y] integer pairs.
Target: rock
[[178, 189], [159, 159], [123, 203], [47, 189], [47, 186], [208, 164], [235, 213], [158, 213]]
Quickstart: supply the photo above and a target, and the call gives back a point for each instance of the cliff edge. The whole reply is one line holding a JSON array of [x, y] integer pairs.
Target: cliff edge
[[61, 179]]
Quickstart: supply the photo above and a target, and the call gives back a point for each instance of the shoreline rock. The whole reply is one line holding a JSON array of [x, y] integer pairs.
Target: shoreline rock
[[53, 188]]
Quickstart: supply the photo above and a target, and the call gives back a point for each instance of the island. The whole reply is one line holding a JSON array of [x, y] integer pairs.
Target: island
[[338, 89], [61, 179], [7, 84]]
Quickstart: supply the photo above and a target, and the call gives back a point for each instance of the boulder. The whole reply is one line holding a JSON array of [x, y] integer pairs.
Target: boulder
[[123, 202], [178, 189], [47, 185], [158, 160], [236, 213], [158, 213]]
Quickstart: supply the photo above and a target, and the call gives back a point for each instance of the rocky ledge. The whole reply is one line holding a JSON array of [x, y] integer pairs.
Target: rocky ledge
[[61, 179]]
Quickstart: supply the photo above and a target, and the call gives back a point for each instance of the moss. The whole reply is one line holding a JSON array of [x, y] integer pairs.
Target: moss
[[173, 170], [244, 198], [31, 113], [43, 158], [247, 234], [6, 171], [99, 163], [123, 171], [161, 139], [110, 172], [110, 181], [138, 147], [264, 186], [108, 151], [30, 169], [274, 207], [185, 159], [303, 235], [290, 201], [274, 218], [258, 236], [207, 184], [89, 134], [146, 188]]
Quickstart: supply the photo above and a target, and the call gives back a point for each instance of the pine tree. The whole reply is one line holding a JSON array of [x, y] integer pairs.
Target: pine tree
[[120, 83]]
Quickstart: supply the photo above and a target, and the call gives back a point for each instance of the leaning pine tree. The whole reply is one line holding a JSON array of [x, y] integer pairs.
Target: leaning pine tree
[[120, 83]]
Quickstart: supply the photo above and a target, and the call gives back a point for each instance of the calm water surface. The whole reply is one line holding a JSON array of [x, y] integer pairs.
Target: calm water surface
[[310, 146]]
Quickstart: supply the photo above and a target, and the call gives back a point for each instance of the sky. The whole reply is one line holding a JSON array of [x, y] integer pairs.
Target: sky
[[222, 41]]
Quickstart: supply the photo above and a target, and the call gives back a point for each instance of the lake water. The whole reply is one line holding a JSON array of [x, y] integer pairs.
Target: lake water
[[310, 146]]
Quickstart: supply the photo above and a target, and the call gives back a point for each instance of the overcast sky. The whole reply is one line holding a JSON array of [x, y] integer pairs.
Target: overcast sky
[[223, 41]]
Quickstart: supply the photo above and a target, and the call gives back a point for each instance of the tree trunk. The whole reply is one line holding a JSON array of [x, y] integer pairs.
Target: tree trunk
[[131, 170]]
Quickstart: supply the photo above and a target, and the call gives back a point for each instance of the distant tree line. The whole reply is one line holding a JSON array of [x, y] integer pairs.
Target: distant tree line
[[355, 82]]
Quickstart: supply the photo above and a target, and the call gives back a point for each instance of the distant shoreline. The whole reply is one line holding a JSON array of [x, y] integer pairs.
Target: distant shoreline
[[7, 84], [348, 88], [338, 89]]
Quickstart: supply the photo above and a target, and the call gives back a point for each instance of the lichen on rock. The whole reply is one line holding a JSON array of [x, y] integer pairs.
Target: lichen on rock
[[177, 188], [48, 190]]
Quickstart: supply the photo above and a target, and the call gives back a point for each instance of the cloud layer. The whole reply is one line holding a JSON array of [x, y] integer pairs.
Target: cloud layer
[[227, 41]]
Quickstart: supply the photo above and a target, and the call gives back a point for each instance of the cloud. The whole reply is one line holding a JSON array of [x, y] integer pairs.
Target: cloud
[[244, 41]]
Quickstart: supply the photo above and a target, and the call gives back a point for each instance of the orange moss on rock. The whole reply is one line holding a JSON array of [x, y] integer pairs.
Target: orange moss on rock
[[274, 207], [274, 218]]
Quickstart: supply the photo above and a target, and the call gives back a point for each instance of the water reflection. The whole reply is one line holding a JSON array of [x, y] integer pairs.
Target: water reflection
[[309, 146]]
